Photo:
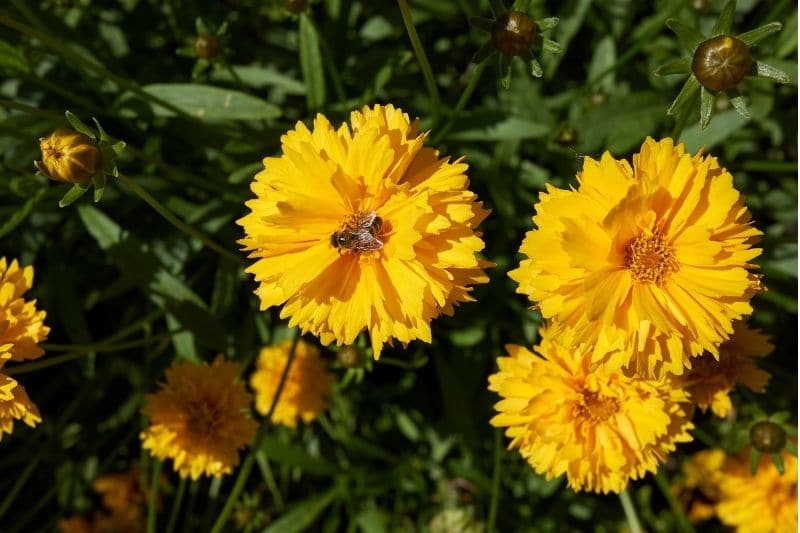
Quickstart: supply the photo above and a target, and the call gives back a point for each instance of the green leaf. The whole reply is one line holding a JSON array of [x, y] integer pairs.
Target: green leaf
[[738, 102], [79, 125], [603, 59], [725, 20], [481, 23], [706, 107], [303, 514], [620, 123], [564, 33], [536, 68], [291, 454], [22, 213], [547, 23], [752, 37], [724, 125], [211, 103], [99, 182], [676, 66], [11, 59], [486, 50], [755, 458], [690, 37], [73, 194], [778, 461], [686, 96], [258, 76], [771, 73], [508, 128], [311, 63], [551, 46]]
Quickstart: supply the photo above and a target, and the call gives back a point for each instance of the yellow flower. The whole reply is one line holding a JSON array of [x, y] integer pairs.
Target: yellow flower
[[15, 405], [703, 474], [307, 388], [763, 503], [75, 524], [69, 156], [595, 424], [122, 494], [21, 325], [199, 418], [710, 381], [649, 264], [363, 229]]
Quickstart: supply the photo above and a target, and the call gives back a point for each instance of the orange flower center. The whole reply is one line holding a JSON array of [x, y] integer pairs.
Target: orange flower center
[[650, 259], [596, 407], [202, 418]]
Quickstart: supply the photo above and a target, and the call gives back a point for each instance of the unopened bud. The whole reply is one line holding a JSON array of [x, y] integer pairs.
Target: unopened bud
[[69, 156], [767, 437], [207, 46], [514, 33], [350, 357]]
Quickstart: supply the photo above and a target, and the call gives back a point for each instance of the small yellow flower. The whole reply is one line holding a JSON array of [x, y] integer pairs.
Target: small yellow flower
[[762, 503], [710, 380], [122, 494], [199, 418], [69, 156], [650, 264], [596, 425], [363, 229], [307, 388], [21, 324], [15, 405], [702, 475]]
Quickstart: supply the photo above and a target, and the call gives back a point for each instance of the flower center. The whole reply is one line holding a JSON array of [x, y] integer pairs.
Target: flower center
[[202, 418], [596, 407], [360, 232], [650, 259]]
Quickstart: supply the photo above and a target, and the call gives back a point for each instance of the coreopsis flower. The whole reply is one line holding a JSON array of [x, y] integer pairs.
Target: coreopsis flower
[[762, 503], [593, 423], [199, 418], [306, 390], [15, 405], [69, 156], [363, 228], [702, 475], [711, 380], [122, 494], [650, 264], [21, 324]]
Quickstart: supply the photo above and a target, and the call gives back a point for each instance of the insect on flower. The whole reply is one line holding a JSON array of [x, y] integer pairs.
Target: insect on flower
[[359, 233]]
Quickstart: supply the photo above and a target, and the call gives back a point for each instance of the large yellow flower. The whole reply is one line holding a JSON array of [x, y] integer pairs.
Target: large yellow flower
[[21, 325], [199, 418], [649, 264], [363, 229], [595, 424], [763, 503], [308, 384], [15, 405], [711, 380]]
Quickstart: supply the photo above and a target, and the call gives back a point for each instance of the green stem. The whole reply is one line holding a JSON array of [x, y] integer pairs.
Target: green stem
[[175, 221], [153, 502], [498, 456], [35, 111], [176, 505], [269, 479], [677, 509], [20, 482], [462, 102], [247, 464], [630, 512], [105, 347], [419, 51]]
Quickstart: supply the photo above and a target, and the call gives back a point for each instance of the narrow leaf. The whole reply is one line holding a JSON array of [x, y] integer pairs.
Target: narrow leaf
[[676, 66], [706, 106], [22, 213], [497, 7], [755, 457], [778, 460], [73, 194], [483, 52], [211, 103], [302, 515], [505, 72], [551, 46], [690, 37], [725, 20], [536, 68], [771, 73], [78, 125], [737, 101], [99, 182], [685, 96], [547, 24], [481, 23], [311, 63], [750, 38]]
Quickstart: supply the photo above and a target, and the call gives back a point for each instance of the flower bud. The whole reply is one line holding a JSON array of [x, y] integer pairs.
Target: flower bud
[[513, 33], [721, 62], [295, 6], [767, 437], [69, 156], [350, 357], [207, 46]]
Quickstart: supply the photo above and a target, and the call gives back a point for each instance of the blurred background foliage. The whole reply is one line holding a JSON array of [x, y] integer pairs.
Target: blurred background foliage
[[406, 443]]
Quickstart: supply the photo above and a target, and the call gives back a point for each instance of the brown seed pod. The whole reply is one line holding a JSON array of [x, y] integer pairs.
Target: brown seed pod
[[514, 32], [207, 46], [720, 63], [767, 437]]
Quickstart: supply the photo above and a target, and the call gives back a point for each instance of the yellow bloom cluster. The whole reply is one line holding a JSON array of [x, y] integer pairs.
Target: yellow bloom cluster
[[643, 274], [21, 330], [123, 501]]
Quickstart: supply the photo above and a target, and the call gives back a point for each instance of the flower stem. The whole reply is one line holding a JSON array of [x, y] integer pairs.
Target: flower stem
[[247, 464], [677, 509], [498, 456], [176, 505], [152, 504], [175, 221], [462, 102], [419, 51], [630, 512]]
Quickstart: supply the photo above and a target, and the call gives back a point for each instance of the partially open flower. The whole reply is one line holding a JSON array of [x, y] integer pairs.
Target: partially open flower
[[69, 156]]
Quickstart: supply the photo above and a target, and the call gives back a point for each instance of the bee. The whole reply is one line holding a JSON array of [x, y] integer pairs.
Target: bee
[[359, 234]]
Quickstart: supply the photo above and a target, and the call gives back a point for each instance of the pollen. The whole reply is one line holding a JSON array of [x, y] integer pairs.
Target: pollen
[[596, 407], [650, 259]]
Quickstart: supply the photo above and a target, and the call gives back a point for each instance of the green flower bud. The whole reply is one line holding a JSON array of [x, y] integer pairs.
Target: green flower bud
[[513, 33], [767, 437], [207, 46]]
